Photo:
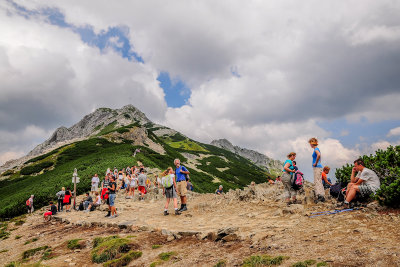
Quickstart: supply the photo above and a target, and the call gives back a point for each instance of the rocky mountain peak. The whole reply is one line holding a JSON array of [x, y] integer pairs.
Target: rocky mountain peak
[[261, 160], [92, 124]]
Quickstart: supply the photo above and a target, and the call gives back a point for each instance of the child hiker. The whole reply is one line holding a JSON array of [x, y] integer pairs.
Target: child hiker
[[169, 185]]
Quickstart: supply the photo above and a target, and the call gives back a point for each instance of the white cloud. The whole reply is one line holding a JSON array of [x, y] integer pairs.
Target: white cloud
[[394, 132]]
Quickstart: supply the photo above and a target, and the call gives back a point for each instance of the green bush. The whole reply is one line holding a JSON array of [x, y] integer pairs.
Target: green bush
[[110, 249], [30, 252], [386, 164], [124, 260], [165, 256], [36, 168], [263, 260], [74, 243]]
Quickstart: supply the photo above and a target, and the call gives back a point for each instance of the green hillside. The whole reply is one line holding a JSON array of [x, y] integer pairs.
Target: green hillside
[[43, 176]]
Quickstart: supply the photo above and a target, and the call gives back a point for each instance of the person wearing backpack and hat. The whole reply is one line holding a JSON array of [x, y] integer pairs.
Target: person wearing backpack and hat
[[317, 169], [288, 170], [169, 190]]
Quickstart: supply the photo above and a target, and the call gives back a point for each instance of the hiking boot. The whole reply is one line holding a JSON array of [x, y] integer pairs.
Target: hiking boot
[[177, 212], [166, 213], [108, 214], [183, 208]]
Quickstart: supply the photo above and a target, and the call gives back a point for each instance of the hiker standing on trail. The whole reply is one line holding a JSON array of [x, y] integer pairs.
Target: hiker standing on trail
[[317, 168], [60, 197], [142, 184], [67, 200], [95, 183], [112, 188], [288, 170], [169, 190], [181, 188], [29, 204]]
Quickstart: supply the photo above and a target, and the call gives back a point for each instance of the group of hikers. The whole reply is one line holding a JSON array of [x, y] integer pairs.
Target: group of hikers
[[362, 181], [175, 182]]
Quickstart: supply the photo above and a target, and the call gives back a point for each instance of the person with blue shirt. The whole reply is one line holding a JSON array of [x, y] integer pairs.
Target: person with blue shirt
[[181, 184], [288, 170], [317, 169]]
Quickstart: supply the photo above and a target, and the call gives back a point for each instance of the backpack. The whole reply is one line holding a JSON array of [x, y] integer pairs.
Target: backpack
[[81, 207], [168, 181], [28, 203], [298, 180], [335, 189]]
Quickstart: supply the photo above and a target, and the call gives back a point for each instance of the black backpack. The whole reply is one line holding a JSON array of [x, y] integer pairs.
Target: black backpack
[[81, 207], [335, 189]]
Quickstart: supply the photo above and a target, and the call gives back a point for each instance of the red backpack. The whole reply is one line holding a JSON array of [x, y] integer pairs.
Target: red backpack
[[28, 203]]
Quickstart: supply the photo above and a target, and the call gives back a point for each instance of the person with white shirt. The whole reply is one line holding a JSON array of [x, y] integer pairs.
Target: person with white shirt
[[366, 182], [95, 183]]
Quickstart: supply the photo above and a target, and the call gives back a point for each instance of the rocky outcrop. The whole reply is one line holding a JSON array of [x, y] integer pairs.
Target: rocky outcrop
[[90, 125], [257, 158]]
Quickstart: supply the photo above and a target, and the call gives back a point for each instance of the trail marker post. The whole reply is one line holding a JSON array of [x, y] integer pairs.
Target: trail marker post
[[75, 180]]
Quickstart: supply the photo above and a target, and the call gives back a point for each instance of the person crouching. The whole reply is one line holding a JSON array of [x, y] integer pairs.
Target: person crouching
[[169, 190], [52, 211]]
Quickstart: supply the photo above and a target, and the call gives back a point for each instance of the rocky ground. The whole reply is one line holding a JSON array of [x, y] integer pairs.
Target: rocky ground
[[228, 228]]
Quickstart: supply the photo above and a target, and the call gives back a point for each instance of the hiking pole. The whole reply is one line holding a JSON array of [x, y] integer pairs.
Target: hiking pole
[[330, 212]]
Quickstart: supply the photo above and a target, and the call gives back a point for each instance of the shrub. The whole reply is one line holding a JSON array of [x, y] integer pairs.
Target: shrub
[[165, 256], [36, 168], [30, 252], [156, 246], [386, 164], [74, 244], [31, 240], [110, 249], [263, 260], [124, 260]]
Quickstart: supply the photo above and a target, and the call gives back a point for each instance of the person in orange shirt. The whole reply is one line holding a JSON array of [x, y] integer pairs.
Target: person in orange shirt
[[324, 176]]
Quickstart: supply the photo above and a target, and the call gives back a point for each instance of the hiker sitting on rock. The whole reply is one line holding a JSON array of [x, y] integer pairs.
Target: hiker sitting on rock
[[288, 170], [87, 201], [325, 180], [95, 204], [366, 182], [50, 212], [219, 191]]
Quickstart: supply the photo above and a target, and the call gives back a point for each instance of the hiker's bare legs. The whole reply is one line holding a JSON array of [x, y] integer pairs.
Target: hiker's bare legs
[[349, 186], [175, 203], [167, 203], [183, 199], [351, 193]]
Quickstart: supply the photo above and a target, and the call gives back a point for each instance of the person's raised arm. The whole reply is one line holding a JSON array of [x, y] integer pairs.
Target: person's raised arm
[[353, 177]]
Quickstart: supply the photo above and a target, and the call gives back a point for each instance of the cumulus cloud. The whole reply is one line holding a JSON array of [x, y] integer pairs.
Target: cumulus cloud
[[394, 132]]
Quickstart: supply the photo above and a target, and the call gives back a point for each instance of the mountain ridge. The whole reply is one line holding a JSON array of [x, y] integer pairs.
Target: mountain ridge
[[256, 157]]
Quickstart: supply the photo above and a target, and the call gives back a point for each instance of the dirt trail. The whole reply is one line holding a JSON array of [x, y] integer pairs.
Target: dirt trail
[[250, 221]]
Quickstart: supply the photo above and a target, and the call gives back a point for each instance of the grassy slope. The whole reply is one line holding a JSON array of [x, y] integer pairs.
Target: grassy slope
[[96, 154]]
